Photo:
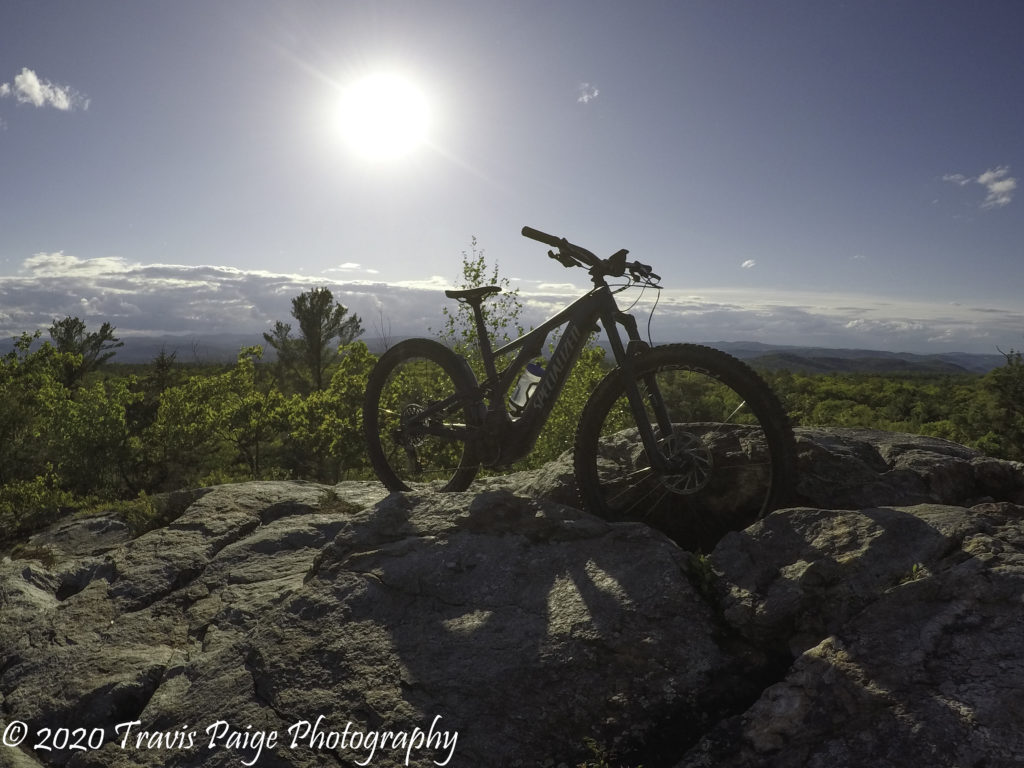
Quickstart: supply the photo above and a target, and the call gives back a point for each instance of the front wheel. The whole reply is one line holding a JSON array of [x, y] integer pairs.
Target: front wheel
[[726, 446], [419, 415]]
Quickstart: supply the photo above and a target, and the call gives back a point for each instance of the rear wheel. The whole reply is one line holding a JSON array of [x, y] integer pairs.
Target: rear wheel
[[729, 451], [418, 413]]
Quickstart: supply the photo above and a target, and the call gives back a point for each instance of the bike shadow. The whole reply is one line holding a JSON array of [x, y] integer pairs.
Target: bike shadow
[[526, 624]]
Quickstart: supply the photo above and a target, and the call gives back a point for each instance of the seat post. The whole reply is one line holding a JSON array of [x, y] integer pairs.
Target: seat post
[[482, 339], [474, 297]]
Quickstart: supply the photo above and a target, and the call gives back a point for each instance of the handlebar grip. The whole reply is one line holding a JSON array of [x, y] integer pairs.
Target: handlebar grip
[[542, 237]]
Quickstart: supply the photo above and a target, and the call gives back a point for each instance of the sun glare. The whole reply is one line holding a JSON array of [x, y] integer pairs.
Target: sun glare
[[384, 117]]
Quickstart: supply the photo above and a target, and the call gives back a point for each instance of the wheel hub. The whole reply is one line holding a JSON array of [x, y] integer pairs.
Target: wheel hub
[[411, 437], [689, 460]]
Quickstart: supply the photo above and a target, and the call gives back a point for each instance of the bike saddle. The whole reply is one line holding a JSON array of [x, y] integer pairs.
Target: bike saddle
[[470, 294]]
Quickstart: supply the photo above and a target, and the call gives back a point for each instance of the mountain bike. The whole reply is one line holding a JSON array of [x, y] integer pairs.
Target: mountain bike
[[672, 432]]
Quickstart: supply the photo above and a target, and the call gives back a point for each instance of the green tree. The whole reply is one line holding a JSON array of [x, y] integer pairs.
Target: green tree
[[90, 349], [182, 444], [248, 417], [31, 396], [26, 505], [216, 427], [140, 470], [304, 360], [90, 438], [1006, 385], [502, 312], [324, 429]]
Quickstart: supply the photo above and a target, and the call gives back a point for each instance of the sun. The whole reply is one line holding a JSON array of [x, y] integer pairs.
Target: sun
[[384, 116]]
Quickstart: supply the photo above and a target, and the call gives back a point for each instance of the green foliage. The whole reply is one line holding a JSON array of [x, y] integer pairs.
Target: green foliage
[[209, 425], [982, 412], [917, 572], [67, 439], [182, 444], [702, 575], [324, 428], [601, 757], [26, 505], [560, 429], [140, 514], [247, 416], [120, 439], [30, 397], [90, 434], [143, 513], [304, 360], [502, 312], [1005, 385], [85, 351]]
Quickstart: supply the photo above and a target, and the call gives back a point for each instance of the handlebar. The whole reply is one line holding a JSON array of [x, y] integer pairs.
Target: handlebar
[[571, 255], [542, 237]]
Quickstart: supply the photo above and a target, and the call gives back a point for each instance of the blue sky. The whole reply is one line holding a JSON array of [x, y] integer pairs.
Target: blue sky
[[828, 173]]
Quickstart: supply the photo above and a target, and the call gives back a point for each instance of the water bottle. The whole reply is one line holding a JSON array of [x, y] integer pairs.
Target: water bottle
[[525, 388]]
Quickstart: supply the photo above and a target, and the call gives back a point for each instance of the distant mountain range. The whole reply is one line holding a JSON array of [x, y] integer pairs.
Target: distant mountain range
[[224, 348], [824, 360]]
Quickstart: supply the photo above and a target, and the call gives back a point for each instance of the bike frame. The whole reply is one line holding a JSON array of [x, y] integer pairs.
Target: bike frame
[[518, 435]]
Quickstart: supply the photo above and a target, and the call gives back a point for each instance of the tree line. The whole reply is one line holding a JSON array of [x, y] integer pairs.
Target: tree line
[[74, 429], [985, 412], [77, 429]]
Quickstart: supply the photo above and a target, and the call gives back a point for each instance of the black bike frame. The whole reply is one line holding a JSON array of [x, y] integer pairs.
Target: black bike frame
[[518, 435]]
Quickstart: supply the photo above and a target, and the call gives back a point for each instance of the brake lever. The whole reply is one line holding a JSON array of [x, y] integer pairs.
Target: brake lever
[[564, 259], [643, 270]]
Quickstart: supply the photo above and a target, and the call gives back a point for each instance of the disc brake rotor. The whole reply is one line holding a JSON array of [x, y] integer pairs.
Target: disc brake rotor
[[690, 462]]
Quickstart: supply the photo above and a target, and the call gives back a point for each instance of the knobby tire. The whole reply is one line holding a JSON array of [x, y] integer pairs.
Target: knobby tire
[[412, 376], [731, 448]]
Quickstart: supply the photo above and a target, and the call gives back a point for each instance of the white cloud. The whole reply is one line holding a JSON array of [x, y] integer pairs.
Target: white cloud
[[152, 299], [432, 283], [587, 93], [145, 298], [749, 264], [58, 264], [1000, 186], [28, 88], [834, 320], [351, 266], [998, 183]]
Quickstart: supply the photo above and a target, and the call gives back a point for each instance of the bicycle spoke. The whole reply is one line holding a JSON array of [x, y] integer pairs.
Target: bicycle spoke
[[417, 417], [717, 456]]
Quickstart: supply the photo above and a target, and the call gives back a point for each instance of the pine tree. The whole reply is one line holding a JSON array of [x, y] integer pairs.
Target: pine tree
[[93, 349], [305, 359]]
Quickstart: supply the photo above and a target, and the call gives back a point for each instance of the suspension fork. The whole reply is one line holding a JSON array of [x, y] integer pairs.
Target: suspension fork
[[637, 346], [627, 369]]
